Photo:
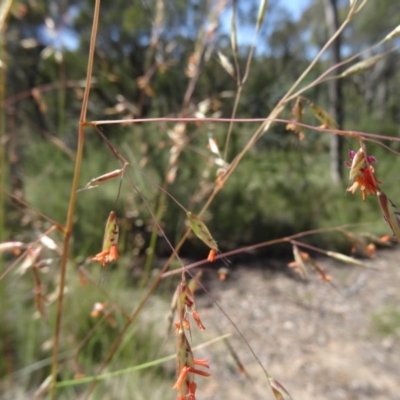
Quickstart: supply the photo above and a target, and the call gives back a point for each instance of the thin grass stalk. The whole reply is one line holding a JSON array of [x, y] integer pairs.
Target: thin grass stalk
[[193, 81], [324, 78], [260, 18], [280, 106], [234, 110], [72, 202], [242, 81], [61, 99], [267, 244], [43, 88], [371, 137], [129, 370], [234, 41], [7, 340], [321, 52], [153, 238], [4, 9]]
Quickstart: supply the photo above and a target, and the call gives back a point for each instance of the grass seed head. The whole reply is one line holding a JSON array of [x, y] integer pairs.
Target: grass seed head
[[200, 229], [110, 241]]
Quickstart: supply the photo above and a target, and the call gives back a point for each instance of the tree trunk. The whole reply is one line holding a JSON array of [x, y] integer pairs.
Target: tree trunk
[[335, 93]]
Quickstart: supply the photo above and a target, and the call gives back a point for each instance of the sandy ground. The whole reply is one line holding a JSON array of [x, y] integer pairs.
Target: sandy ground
[[318, 341]]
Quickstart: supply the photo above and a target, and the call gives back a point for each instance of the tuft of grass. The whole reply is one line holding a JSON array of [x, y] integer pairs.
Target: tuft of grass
[[28, 338]]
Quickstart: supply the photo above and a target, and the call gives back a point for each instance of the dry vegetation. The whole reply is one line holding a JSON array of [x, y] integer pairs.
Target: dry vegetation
[[318, 334]]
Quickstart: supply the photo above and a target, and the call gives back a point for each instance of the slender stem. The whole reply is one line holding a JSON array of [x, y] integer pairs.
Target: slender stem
[[72, 202], [280, 106], [321, 52], [265, 120], [245, 75], [61, 99], [266, 244], [324, 78], [4, 298], [3, 159], [230, 129], [153, 239]]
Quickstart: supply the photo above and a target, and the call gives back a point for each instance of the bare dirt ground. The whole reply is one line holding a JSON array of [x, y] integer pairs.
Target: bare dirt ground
[[318, 341]]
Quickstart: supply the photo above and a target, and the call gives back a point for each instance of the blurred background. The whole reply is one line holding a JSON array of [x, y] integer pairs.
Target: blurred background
[[144, 55], [173, 59]]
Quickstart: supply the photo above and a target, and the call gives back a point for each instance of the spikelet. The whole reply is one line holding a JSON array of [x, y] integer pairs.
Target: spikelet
[[100, 180], [357, 163], [361, 66], [200, 229], [323, 116], [110, 250]]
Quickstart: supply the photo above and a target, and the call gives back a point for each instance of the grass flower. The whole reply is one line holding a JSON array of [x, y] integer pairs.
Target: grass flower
[[362, 174], [110, 250], [185, 305], [185, 384], [366, 181], [211, 255], [200, 229], [296, 117]]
